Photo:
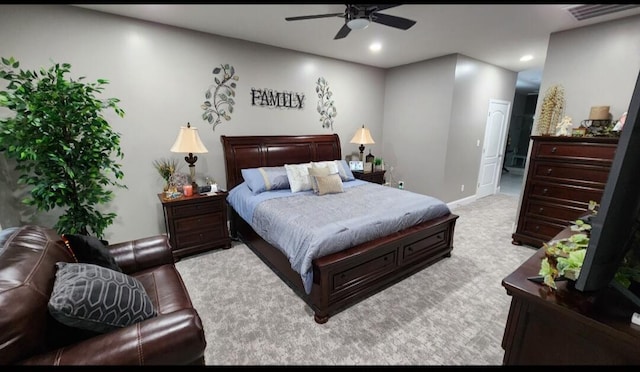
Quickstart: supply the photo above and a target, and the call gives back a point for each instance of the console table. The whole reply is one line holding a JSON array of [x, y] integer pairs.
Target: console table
[[566, 326]]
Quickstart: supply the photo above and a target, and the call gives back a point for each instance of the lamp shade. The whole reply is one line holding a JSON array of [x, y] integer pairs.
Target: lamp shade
[[363, 137], [189, 141]]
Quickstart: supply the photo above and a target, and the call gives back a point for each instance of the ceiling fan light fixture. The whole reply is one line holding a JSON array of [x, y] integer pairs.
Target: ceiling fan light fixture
[[358, 23]]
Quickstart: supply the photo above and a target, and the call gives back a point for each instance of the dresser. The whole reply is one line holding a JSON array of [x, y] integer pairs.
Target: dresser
[[564, 174], [376, 176], [196, 223], [565, 326]]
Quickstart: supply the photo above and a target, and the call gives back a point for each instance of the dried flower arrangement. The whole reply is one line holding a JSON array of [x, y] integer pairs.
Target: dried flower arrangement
[[551, 111], [166, 168]]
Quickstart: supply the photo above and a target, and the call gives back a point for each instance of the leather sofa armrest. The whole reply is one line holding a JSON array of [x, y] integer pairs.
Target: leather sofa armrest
[[139, 254], [168, 339]]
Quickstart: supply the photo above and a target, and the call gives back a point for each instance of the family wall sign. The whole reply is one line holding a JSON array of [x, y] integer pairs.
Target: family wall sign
[[274, 99]]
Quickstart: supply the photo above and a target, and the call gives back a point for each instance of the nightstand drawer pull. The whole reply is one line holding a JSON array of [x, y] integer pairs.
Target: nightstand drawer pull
[[554, 149], [549, 170], [540, 210], [544, 191]]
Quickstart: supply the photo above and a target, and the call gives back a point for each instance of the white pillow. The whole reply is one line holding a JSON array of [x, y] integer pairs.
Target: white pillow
[[298, 175], [337, 166], [333, 168]]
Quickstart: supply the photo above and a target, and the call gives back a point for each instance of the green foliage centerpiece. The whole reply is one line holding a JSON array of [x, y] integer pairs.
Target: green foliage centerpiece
[[62, 144], [564, 257]]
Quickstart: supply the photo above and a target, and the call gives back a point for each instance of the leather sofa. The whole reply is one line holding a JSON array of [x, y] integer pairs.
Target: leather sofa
[[30, 335]]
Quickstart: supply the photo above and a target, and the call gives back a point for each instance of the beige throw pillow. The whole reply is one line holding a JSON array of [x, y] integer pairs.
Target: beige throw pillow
[[317, 171], [330, 184]]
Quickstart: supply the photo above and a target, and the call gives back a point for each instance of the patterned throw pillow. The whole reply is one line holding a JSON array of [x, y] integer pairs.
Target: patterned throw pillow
[[265, 178], [298, 175], [330, 184], [89, 249], [317, 171], [98, 299]]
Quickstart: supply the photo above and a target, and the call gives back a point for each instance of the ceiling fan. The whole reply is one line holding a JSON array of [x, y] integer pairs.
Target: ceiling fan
[[358, 16]]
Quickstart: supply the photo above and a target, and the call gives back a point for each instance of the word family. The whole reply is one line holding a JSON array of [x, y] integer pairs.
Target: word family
[[273, 99]]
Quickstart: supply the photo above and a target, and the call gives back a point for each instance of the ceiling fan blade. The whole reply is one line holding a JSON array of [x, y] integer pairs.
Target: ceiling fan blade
[[315, 16], [392, 21], [381, 7], [343, 32]]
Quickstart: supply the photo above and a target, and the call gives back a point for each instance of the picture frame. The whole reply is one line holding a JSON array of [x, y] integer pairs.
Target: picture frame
[[368, 167], [356, 165]]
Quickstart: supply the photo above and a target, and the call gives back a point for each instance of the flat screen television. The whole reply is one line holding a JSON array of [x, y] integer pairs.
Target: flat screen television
[[614, 227]]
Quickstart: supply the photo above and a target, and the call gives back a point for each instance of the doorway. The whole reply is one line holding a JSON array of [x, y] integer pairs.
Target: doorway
[[517, 144], [493, 147]]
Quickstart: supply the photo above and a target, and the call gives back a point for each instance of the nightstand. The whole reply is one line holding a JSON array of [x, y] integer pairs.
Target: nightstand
[[375, 176], [196, 223]]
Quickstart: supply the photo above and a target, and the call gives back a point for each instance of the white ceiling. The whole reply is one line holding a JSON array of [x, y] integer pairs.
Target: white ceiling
[[495, 33]]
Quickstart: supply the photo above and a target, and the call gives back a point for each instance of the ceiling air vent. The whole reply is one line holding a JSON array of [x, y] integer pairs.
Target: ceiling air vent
[[586, 11]]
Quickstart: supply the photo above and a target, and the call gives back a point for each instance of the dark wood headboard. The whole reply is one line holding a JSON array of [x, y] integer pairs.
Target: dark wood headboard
[[271, 151]]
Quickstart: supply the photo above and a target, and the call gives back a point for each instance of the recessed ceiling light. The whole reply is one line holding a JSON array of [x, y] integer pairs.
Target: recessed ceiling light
[[375, 47], [526, 58]]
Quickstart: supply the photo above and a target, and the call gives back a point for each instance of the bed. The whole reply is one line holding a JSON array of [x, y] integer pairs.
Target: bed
[[347, 276]]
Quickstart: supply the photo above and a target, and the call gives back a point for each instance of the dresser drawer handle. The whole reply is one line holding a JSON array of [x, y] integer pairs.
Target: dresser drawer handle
[[537, 228], [554, 149], [544, 191], [549, 170], [541, 209]]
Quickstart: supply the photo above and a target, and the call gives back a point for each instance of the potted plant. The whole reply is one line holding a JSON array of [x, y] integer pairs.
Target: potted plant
[[378, 164], [62, 144]]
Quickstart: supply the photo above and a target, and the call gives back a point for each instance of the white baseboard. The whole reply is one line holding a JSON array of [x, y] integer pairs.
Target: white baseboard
[[460, 202]]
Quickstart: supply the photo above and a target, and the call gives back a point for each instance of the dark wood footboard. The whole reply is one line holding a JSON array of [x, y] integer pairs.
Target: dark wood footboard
[[346, 277]]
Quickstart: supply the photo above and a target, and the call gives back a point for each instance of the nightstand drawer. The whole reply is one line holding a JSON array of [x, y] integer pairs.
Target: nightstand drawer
[[210, 206], [197, 223], [206, 236]]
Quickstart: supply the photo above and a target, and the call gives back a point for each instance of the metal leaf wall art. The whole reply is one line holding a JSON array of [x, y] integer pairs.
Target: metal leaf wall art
[[219, 98], [326, 109]]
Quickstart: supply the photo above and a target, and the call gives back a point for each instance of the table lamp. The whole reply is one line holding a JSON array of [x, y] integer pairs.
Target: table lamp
[[188, 141], [363, 137]]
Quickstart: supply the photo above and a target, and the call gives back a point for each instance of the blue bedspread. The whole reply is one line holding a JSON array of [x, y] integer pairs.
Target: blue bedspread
[[305, 226]]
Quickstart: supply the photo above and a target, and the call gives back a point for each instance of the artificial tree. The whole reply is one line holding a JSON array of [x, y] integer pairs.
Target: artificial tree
[[64, 148]]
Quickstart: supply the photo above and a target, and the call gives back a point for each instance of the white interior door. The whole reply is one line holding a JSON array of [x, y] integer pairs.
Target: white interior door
[[493, 147]]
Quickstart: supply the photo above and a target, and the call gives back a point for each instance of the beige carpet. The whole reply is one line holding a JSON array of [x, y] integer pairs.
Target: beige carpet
[[451, 313]]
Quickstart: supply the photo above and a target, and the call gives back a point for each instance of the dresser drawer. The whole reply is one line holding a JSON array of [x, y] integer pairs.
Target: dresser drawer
[[197, 223], [543, 230], [576, 151], [581, 173], [210, 206], [563, 213], [565, 192]]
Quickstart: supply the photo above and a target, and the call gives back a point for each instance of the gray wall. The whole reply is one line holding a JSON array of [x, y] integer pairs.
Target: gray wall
[[160, 74], [435, 114], [596, 65]]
